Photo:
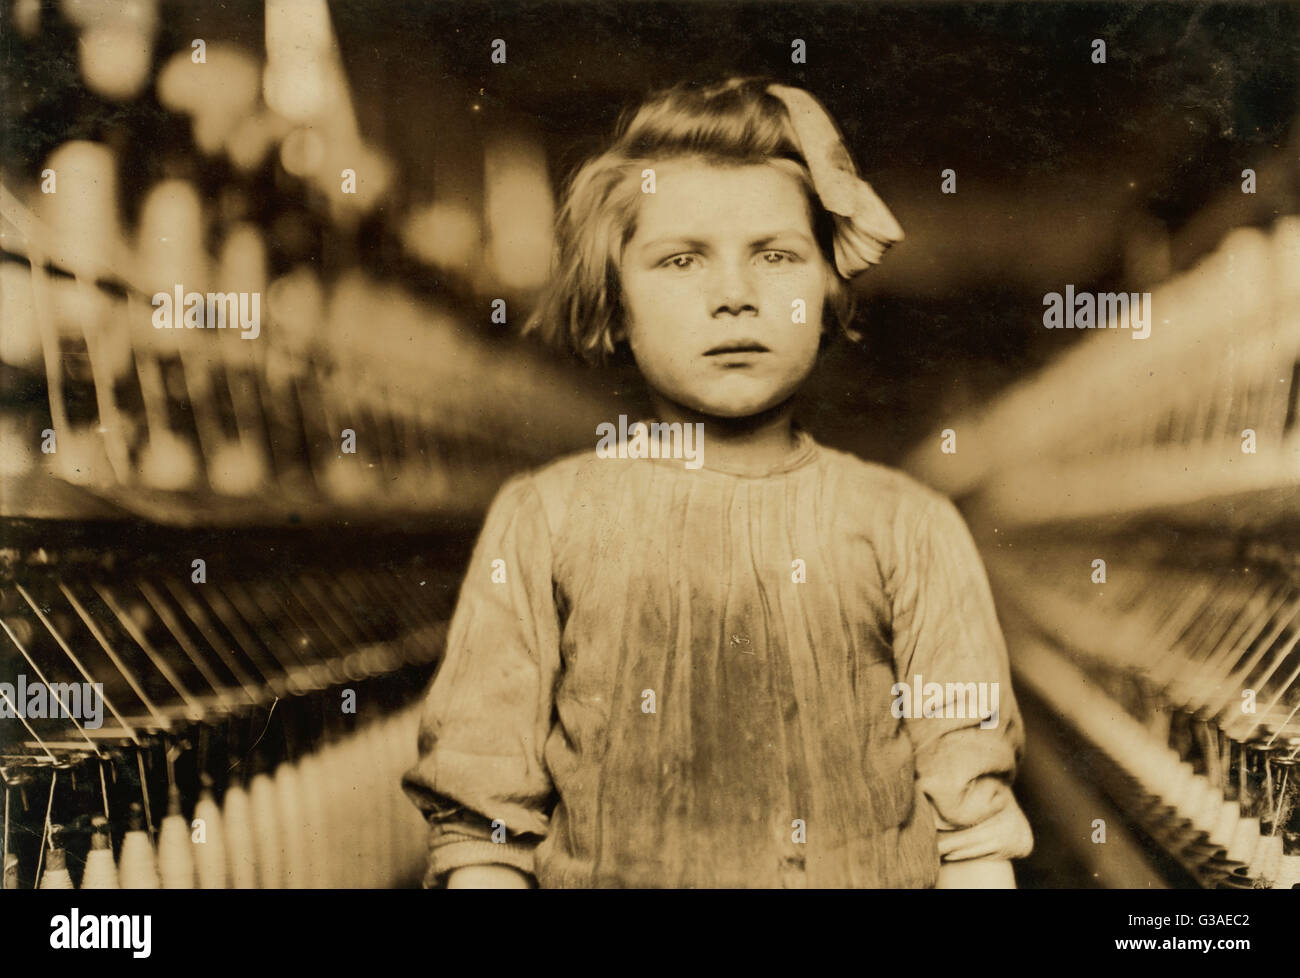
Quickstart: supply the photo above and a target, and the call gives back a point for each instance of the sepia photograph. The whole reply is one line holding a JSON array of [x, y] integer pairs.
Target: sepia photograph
[[649, 445]]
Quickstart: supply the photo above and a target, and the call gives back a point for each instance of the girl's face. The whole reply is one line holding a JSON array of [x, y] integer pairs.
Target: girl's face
[[710, 284]]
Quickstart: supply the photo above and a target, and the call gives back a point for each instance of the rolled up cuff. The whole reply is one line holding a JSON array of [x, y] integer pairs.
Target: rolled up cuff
[[448, 853], [1004, 835]]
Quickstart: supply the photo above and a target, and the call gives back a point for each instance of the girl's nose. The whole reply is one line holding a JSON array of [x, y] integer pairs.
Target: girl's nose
[[731, 290]]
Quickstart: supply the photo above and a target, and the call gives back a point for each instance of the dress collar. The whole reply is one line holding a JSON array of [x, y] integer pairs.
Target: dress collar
[[804, 451]]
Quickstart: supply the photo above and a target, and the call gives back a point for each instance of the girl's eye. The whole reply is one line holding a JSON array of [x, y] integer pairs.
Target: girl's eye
[[678, 261], [686, 261]]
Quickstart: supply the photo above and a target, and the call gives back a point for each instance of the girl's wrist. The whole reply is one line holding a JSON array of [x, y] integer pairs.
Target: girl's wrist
[[976, 874], [489, 876]]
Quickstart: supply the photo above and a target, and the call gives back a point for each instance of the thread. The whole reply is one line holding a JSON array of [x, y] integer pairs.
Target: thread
[[56, 875], [365, 836], [1225, 829], [313, 826], [1268, 858], [82, 215], [1244, 841], [394, 754], [210, 855], [289, 819], [266, 833], [101, 871], [137, 864], [169, 241], [175, 858], [353, 836], [1288, 873], [328, 774], [237, 826]]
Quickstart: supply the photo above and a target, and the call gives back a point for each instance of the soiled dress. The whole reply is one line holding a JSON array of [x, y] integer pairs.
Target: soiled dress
[[659, 676]]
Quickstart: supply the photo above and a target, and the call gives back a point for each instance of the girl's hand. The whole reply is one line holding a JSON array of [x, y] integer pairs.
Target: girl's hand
[[1006, 832], [976, 874], [488, 877]]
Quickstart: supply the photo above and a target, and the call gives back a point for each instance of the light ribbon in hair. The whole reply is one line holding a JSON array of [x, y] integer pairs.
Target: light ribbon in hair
[[864, 227]]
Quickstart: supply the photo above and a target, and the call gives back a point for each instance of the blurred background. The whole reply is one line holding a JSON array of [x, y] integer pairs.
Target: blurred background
[[388, 190]]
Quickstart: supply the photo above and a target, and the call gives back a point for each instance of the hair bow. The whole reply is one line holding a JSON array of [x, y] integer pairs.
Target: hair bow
[[864, 227]]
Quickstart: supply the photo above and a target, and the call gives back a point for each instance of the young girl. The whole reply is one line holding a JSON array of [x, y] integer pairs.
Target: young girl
[[663, 674]]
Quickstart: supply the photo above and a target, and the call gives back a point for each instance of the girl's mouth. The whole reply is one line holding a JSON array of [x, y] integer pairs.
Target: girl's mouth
[[737, 346]]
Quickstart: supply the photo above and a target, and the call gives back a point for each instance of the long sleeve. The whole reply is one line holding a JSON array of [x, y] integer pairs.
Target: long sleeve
[[946, 632], [488, 711]]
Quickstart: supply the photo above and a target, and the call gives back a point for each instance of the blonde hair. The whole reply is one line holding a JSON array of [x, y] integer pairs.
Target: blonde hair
[[735, 122]]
